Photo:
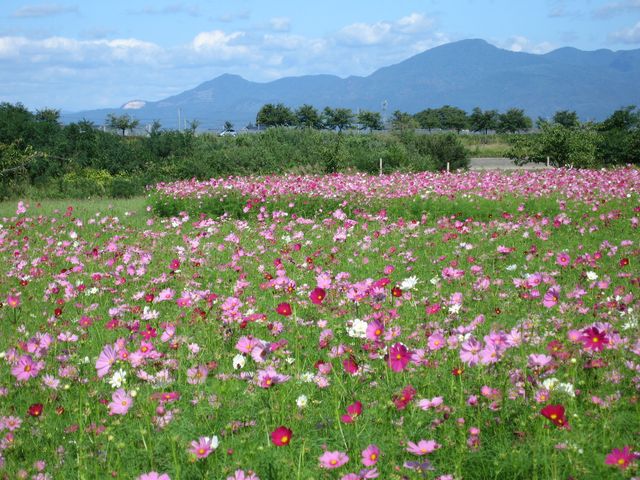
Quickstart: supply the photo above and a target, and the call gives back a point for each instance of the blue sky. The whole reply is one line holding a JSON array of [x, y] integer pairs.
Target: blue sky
[[75, 55]]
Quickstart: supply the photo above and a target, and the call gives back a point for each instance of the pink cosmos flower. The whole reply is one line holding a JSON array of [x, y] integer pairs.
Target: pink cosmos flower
[[269, 377], [422, 447], [370, 455], [375, 330], [551, 297], [197, 374], [120, 403], [241, 475], [203, 447], [563, 259], [620, 458], [13, 301], [399, 357], [25, 368], [436, 341], [154, 476], [105, 360], [427, 404], [330, 460]]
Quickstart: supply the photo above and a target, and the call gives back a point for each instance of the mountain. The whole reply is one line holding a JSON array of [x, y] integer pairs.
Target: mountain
[[465, 74]]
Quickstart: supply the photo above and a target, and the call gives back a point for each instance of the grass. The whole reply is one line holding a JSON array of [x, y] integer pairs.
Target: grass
[[125, 252]]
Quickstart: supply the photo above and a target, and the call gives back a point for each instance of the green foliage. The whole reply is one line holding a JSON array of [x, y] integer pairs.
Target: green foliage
[[564, 147], [370, 120], [453, 118], [513, 120], [337, 118], [483, 121], [87, 183], [307, 116], [122, 122], [428, 119], [278, 115], [442, 149], [566, 118]]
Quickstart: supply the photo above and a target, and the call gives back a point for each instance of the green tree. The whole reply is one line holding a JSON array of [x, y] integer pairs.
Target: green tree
[[402, 121], [307, 116], [483, 121], [278, 115], [566, 118], [370, 120], [122, 122], [228, 126], [622, 119], [514, 120], [340, 118], [428, 119], [453, 118], [563, 146]]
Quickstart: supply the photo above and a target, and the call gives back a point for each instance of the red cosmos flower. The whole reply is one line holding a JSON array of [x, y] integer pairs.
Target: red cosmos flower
[[624, 262], [398, 357], [350, 365], [594, 339], [555, 413], [396, 291], [35, 410], [317, 295], [281, 436], [174, 264], [284, 309], [405, 397], [353, 411], [457, 371], [57, 312], [149, 297]]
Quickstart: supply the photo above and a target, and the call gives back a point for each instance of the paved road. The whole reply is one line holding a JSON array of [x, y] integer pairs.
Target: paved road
[[501, 164]]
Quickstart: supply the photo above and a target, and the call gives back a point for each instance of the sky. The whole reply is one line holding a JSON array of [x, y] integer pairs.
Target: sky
[[80, 55]]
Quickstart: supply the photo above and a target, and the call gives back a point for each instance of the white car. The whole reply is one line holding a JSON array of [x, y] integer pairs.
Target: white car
[[228, 133]]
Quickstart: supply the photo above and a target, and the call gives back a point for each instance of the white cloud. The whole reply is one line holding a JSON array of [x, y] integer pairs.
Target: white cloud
[[280, 24], [217, 43], [616, 8], [627, 35], [44, 10], [523, 44], [387, 32]]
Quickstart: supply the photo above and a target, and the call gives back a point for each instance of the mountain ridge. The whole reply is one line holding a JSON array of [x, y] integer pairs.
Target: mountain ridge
[[466, 74]]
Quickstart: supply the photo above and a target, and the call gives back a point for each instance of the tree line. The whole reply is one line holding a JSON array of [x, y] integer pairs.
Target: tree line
[[443, 118]]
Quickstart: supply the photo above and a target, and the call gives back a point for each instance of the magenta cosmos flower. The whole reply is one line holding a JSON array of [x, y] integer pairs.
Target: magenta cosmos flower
[[620, 458], [25, 368], [120, 403], [331, 460], [422, 447], [13, 301], [154, 476], [594, 339], [317, 295], [398, 357]]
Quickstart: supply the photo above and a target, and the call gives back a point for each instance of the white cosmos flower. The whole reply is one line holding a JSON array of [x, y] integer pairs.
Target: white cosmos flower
[[118, 379], [592, 275], [239, 361], [302, 401], [409, 283], [358, 329]]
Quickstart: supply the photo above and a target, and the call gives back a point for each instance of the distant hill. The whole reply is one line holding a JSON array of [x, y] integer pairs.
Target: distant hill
[[465, 74]]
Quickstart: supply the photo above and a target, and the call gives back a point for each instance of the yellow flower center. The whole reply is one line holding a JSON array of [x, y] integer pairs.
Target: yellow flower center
[[333, 462], [378, 332], [621, 461], [27, 368], [553, 416], [373, 456], [595, 339]]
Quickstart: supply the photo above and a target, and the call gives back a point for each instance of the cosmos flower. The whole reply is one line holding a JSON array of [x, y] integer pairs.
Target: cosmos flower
[[422, 447], [399, 357], [330, 460], [620, 458], [120, 403], [281, 436]]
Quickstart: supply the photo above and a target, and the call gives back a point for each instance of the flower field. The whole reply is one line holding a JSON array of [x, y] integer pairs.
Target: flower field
[[450, 326]]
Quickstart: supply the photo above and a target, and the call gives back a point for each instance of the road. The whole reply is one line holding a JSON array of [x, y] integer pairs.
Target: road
[[501, 164]]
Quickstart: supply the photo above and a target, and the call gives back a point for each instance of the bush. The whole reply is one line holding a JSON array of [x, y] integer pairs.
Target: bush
[[87, 183]]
